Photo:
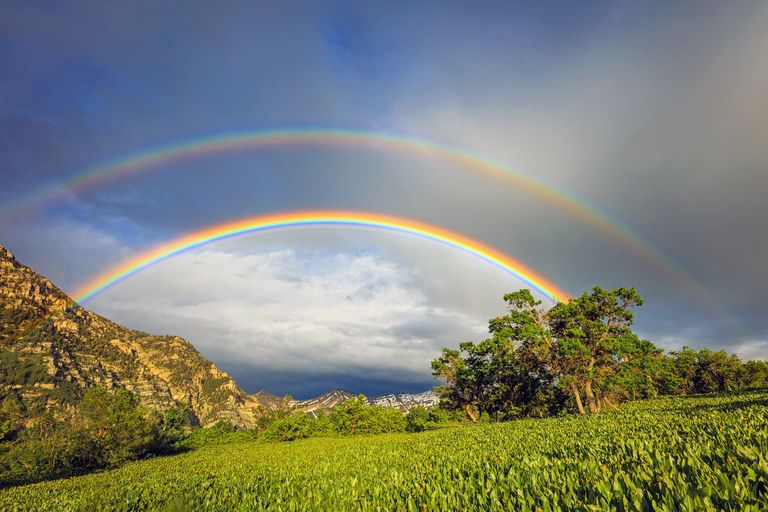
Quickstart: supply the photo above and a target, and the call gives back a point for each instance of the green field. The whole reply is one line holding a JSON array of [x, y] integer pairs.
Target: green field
[[690, 453]]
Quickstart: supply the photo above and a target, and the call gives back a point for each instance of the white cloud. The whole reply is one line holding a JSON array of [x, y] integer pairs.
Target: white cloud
[[294, 311], [753, 350]]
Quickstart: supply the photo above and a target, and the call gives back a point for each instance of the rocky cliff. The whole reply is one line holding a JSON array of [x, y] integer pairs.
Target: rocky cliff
[[407, 401], [51, 349]]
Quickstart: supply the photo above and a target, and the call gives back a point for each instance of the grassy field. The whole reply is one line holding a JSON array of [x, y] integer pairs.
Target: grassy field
[[700, 453]]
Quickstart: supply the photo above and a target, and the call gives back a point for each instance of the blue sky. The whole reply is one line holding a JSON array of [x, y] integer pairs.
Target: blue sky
[[655, 112]]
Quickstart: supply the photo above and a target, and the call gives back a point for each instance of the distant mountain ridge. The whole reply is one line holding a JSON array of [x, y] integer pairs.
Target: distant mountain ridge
[[335, 397], [324, 402], [407, 401]]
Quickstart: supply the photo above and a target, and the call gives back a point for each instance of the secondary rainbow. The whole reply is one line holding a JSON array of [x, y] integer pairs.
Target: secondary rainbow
[[329, 218], [155, 159]]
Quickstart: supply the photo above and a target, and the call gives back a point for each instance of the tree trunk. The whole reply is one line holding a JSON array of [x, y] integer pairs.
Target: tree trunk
[[594, 408], [611, 404], [577, 396]]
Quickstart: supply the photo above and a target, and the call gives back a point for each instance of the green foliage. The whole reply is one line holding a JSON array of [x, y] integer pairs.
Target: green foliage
[[592, 339], [754, 374], [117, 424], [352, 417], [420, 418], [11, 417], [702, 453], [583, 352], [172, 425], [355, 416], [299, 426], [507, 375], [107, 429], [222, 432], [22, 369]]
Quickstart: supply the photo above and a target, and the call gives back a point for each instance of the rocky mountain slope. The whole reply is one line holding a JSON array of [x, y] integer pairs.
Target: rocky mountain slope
[[51, 349], [268, 401], [324, 402], [407, 401], [335, 397]]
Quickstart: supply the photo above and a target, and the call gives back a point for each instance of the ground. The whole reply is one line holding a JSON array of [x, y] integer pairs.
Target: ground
[[685, 453]]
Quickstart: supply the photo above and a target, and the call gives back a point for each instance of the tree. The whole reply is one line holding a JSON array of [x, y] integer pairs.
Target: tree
[[592, 339], [118, 424], [716, 371], [585, 349], [685, 364], [506, 375], [754, 374], [644, 373]]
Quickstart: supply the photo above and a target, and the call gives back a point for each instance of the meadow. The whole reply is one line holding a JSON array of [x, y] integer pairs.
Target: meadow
[[677, 453]]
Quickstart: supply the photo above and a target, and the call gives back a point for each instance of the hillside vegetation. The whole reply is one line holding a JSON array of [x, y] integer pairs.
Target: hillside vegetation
[[691, 453]]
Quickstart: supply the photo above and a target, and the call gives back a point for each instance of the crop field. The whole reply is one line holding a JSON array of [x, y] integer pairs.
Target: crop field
[[700, 453]]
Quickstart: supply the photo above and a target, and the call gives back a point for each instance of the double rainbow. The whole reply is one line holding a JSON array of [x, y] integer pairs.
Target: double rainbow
[[155, 159]]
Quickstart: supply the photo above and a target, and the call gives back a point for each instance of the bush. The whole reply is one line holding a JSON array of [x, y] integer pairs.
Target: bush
[[106, 430], [420, 419], [295, 427], [222, 432], [355, 416], [352, 417]]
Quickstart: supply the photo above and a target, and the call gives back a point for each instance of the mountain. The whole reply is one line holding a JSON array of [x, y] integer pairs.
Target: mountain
[[328, 401], [324, 402], [52, 348], [268, 401], [406, 401]]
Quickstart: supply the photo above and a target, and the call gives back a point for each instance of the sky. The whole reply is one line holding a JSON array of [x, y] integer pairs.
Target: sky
[[653, 113]]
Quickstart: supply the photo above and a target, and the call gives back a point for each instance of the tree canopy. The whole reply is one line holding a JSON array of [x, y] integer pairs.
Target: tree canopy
[[580, 355]]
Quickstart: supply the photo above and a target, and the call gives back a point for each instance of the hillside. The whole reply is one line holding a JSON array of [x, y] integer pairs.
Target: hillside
[[51, 349], [683, 453], [324, 402], [268, 401]]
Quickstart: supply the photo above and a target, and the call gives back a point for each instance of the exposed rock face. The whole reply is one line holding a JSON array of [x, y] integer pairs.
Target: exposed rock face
[[324, 402], [51, 349], [335, 397], [268, 401], [407, 401]]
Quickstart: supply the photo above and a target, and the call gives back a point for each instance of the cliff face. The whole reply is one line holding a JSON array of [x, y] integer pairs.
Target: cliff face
[[51, 349], [323, 403], [407, 401]]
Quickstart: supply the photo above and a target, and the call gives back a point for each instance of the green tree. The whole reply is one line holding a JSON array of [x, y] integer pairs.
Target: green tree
[[685, 364], [117, 423], [716, 371], [506, 375], [592, 338], [754, 374]]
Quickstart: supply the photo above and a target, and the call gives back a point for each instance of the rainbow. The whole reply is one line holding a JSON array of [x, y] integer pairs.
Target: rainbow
[[145, 161], [240, 141], [331, 218]]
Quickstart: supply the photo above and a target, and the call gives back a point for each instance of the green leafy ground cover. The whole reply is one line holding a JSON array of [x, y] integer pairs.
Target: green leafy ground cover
[[685, 453]]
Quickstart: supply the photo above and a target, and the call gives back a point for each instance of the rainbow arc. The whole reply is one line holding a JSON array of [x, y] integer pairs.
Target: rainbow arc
[[331, 218]]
